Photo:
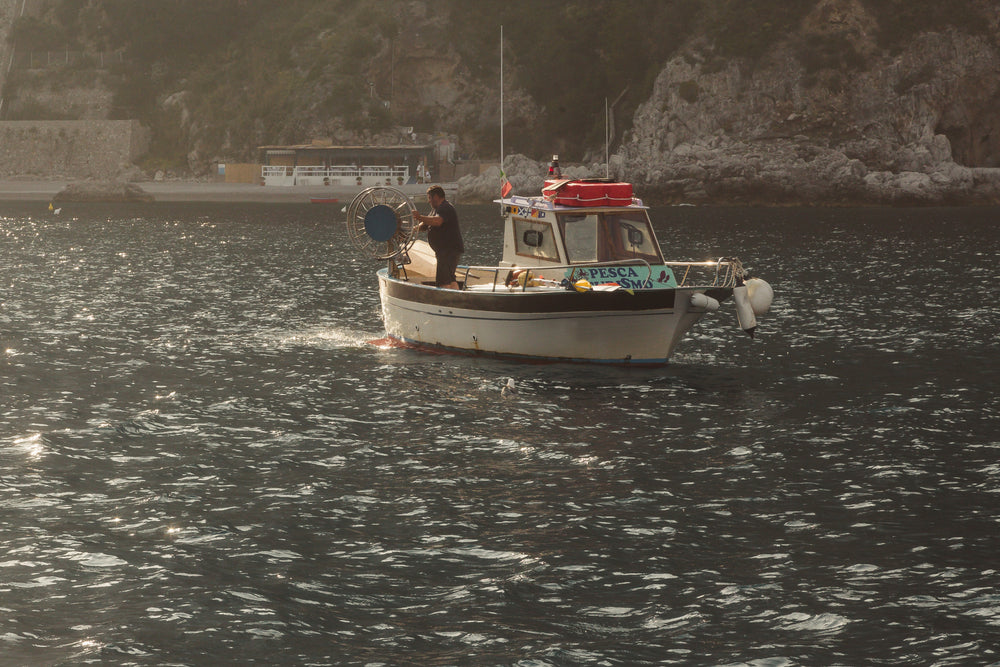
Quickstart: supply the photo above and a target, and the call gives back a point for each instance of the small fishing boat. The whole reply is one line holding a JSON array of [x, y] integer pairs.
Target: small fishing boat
[[582, 279]]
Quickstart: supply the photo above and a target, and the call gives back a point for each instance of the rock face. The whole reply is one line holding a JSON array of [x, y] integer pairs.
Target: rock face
[[917, 127], [826, 116], [103, 191]]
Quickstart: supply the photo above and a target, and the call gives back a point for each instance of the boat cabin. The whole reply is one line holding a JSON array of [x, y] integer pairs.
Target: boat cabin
[[577, 230], [557, 229], [539, 236]]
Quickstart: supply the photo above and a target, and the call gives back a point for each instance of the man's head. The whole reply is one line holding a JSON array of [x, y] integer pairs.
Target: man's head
[[435, 195]]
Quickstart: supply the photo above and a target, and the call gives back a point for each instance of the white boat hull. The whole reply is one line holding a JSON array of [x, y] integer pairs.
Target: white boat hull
[[640, 328]]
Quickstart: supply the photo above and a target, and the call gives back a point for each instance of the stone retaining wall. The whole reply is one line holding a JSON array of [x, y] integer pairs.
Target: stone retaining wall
[[101, 149]]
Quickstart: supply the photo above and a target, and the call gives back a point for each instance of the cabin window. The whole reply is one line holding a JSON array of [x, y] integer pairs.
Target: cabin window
[[628, 236], [534, 238], [580, 234]]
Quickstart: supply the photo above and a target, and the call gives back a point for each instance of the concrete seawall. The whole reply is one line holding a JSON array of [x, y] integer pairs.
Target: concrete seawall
[[80, 148]]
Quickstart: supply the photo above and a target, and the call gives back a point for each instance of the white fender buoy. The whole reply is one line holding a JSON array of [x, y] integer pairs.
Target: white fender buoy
[[744, 312], [704, 302], [760, 295]]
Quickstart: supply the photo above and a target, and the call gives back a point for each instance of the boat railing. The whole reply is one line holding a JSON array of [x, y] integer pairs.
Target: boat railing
[[724, 272], [496, 270]]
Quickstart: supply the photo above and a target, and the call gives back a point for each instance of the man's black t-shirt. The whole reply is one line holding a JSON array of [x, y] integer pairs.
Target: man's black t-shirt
[[447, 238]]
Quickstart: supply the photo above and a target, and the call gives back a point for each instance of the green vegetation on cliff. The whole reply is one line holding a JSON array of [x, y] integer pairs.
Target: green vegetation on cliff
[[251, 73], [221, 77]]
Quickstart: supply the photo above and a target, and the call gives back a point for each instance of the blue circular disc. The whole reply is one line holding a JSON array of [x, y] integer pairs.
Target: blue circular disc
[[380, 223]]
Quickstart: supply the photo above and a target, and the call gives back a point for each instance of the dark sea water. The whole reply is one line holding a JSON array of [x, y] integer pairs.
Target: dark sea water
[[203, 461]]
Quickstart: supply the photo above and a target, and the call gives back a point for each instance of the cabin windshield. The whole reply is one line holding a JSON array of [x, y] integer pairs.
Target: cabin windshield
[[580, 236], [609, 237]]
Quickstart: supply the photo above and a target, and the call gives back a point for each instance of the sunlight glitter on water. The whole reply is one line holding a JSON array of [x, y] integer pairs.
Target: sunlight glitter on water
[[218, 454], [33, 446]]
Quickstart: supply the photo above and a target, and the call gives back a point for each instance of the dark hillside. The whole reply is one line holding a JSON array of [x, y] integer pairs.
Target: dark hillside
[[215, 79]]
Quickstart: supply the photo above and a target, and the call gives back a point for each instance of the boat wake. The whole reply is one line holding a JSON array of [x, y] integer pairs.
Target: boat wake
[[390, 343], [326, 338]]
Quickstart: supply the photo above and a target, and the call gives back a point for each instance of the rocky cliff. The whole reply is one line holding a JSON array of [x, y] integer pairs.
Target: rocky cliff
[[819, 101], [826, 115], [918, 126]]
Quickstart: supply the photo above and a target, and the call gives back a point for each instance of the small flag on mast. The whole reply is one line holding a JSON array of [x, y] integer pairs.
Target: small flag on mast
[[505, 186]]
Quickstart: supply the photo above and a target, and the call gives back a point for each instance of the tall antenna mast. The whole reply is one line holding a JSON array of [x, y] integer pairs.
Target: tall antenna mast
[[501, 101]]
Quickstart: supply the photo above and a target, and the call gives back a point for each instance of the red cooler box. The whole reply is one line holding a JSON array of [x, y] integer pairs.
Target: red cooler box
[[595, 192]]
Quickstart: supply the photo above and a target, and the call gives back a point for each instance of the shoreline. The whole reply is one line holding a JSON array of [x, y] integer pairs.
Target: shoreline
[[200, 191], [180, 191]]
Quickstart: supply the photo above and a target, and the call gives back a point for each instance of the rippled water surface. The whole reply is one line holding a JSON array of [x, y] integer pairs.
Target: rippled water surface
[[203, 461]]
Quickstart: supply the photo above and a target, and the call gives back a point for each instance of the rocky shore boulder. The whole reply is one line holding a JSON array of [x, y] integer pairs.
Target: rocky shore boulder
[[103, 191]]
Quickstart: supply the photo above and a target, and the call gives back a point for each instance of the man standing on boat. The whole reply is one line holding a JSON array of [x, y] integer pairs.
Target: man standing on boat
[[443, 235]]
